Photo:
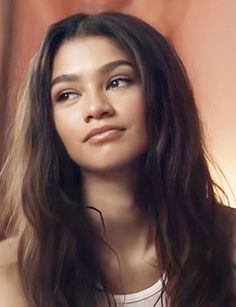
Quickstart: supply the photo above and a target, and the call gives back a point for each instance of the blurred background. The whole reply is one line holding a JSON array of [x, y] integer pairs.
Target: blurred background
[[203, 32]]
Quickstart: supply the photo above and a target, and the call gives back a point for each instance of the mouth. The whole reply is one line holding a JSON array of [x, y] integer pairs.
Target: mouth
[[103, 134]]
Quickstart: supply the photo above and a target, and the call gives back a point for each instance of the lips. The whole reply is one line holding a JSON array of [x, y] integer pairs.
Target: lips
[[103, 133]]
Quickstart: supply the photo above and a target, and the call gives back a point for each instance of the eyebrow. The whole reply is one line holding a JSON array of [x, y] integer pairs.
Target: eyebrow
[[103, 69]]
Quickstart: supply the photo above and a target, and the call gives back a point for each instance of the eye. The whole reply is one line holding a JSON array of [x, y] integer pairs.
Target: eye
[[118, 82], [69, 95]]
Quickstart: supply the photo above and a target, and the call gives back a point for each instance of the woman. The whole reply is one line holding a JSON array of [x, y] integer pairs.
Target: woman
[[108, 175]]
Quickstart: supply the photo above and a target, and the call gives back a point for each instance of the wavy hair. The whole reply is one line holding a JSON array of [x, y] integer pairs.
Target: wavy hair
[[58, 249]]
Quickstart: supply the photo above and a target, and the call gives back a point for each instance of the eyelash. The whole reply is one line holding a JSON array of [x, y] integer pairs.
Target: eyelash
[[61, 97], [120, 79], [66, 95]]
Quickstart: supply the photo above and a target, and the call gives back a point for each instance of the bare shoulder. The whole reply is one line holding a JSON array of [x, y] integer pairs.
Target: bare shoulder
[[11, 292], [8, 251]]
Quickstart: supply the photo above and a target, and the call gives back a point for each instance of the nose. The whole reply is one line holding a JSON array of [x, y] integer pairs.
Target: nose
[[98, 107]]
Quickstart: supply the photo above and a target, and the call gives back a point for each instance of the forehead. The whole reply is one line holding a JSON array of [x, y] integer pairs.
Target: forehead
[[89, 52]]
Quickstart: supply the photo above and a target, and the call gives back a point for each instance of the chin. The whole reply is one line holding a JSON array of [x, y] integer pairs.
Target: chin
[[110, 165]]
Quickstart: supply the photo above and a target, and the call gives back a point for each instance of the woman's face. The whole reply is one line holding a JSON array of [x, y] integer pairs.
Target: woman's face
[[98, 104]]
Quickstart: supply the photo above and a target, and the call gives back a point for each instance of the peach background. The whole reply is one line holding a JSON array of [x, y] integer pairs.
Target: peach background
[[203, 32]]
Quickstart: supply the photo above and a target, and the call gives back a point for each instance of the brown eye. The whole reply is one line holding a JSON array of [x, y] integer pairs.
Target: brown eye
[[119, 82], [67, 96]]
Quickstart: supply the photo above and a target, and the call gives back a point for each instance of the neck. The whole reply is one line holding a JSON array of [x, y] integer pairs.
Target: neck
[[112, 193], [128, 232]]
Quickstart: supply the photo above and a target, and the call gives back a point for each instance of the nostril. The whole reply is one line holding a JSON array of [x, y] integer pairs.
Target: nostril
[[100, 112]]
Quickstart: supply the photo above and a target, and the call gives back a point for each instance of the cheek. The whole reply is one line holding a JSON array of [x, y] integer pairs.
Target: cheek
[[141, 128], [137, 140], [68, 127], [62, 129], [137, 114], [130, 112]]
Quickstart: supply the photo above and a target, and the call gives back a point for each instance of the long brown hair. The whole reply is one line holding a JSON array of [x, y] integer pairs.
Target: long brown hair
[[58, 258]]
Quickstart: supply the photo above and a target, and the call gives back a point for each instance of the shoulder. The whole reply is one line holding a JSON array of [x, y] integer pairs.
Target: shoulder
[[8, 251], [227, 220], [11, 292], [226, 217]]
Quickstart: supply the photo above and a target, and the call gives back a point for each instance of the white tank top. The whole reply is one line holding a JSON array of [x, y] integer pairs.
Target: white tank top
[[144, 298]]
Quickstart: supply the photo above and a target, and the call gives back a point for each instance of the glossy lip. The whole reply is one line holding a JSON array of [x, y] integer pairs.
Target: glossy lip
[[100, 130]]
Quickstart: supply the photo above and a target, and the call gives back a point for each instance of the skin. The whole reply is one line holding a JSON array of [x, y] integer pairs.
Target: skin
[[94, 84], [102, 95], [11, 292]]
